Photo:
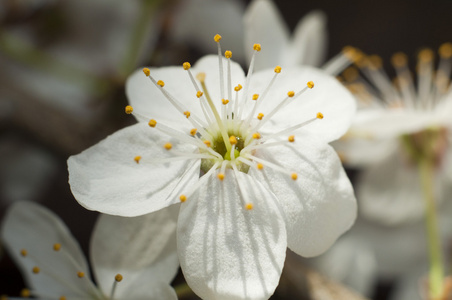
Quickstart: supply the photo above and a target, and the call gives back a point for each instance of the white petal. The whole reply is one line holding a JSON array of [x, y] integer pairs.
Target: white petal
[[35, 229], [212, 17], [226, 251], [328, 97], [141, 249], [319, 205], [265, 25], [106, 178], [145, 290], [309, 45], [390, 191]]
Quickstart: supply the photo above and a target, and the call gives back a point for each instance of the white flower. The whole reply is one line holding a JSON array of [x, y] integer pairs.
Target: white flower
[[394, 127], [270, 179], [130, 259]]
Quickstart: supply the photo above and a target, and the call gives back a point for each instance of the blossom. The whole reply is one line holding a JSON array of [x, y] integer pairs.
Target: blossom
[[130, 260], [395, 127], [269, 180]]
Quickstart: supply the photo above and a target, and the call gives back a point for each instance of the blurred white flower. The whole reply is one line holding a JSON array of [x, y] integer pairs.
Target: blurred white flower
[[396, 125], [130, 259], [270, 180]]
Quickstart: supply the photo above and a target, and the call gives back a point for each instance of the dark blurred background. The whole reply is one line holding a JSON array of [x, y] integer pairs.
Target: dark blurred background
[[61, 90]]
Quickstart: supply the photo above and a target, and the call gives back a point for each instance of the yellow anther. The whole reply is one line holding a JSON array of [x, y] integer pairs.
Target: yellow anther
[[399, 59], [57, 247], [217, 38], [23, 252], [168, 146], [445, 50], [137, 159], [118, 277], [25, 293], [257, 47], [201, 76], [161, 83], [152, 123], [3, 297], [260, 166], [350, 74], [256, 135], [294, 176], [207, 143], [425, 56], [291, 138], [233, 140], [277, 69], [146, 71], [62, 298], [238, 88], [220, 176], [224, 101], [199, 94], [255, 96], [249, 206], [260, 116], [186, 65], [193, 131], [80, 274], [375, 62], [319, 115], [129, 109], [187, 114], [310, 84], [36, 270], [228, 54], [291, 94], [182, 198]]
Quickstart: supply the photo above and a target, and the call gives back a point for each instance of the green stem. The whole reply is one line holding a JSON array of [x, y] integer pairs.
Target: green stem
[[436, 273]]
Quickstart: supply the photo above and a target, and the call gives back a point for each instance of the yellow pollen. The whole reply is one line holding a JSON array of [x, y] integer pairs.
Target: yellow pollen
[[225, 101], [310, 84], [152, 123], [25, 293], [146, 71], [249, 206], [187, 114], [182, 198], [291, 138], [161, 83], [291, 94], [129, 109], [260, 116], [168, 146], [257, 47], [62, 298], [57, 247], [80, 274], [319, 115], [217, 38], [186, 65], [228, 54], [350, 74], [23, 252], [201, 76], [233, 140], [199, 94], [137, 159], [277, 69], [256, 135], [399, 59], [118, 277], [260, 166], [425, 56], [255, 96], [445, 50], [294, 176], [35, 270], [193, 131], [375, 62], [220, 176], [238, 88], [207, 142]]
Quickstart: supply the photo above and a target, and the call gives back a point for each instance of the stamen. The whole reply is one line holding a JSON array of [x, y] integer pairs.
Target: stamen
[[23, 252], [273, 166], [129, 109], [338, 63], [118, 278], [260, 166], [137, 159], [57, 247], [35, 270], [199, 183], [62, 298], [256, 48], [256, 135], [25, 293], [187, 114], [152, 123], [291, 129], [220, 176], [291, 138], [224, 101], [160, 83], [217, 39], [255, 97], [168, 146], [182, 198], [228, 55], [193, 132], [80, 274], [208, 143], [249, 206], [233, 140], [260, 116]]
